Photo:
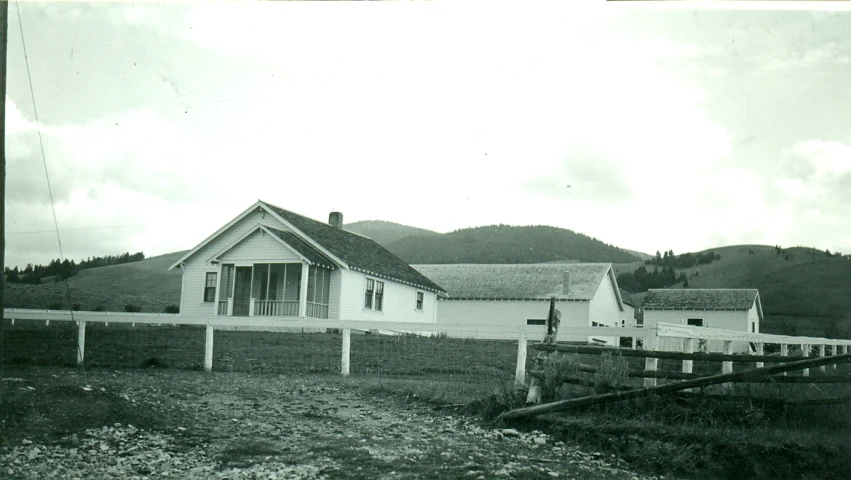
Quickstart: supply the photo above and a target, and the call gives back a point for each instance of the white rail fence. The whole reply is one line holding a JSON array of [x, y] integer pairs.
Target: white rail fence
[[664, 338]]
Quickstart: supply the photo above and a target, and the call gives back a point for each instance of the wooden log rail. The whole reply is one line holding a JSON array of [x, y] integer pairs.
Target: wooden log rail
[[686, 376], [673, 387], [705, 357]]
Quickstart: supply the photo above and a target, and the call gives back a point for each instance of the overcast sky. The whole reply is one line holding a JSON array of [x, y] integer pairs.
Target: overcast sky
[[676, 128]]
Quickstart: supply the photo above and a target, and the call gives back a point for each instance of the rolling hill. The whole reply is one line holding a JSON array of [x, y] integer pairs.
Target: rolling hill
[[386, 232], [803, 290], [506, 244]]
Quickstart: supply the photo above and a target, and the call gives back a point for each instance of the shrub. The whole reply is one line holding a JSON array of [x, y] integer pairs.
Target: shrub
[[556, 368], [132, 308], [611, 375], [172, 309]]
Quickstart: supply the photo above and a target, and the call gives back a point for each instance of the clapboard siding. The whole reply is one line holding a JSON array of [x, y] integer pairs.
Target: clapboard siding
[[604, 307], [334, 295], [753, 316], [260, 247], [196, 267], [513, 315], [725, 319], [399, 300]]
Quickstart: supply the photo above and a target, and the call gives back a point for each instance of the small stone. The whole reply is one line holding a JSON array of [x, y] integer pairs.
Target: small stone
[[540, 441], [33, 453], [553, 474], [10, 471], [75, 440], [510, 432]]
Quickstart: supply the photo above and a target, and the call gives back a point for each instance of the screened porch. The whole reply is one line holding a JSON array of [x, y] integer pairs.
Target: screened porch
[[274, 290]]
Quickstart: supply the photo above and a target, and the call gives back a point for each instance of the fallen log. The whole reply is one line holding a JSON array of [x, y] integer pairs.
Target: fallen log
[[673, 387]]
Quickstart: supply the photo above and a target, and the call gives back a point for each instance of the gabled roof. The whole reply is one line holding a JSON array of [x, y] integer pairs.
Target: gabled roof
[[289, 241], [344, 248], [360, 253], [702, 299], [540, 281]]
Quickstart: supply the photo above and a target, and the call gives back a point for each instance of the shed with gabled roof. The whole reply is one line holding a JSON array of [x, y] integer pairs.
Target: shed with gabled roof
[[725, 308], [513, 294]]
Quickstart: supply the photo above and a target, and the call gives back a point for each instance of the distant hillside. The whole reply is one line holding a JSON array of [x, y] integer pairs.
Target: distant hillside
[[146, 283], [799, 287], [385, 233], [506, 244]]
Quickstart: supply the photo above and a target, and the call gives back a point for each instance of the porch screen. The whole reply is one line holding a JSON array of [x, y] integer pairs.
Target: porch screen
[[319, 285], [226, 282], [260, 282]]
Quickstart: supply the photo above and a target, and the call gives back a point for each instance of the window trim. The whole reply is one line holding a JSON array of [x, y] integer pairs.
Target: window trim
[[369, 293], [207, 286]]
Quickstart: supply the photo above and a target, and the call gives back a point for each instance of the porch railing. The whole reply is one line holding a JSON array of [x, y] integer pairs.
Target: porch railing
[[275, 308], [317, 310]]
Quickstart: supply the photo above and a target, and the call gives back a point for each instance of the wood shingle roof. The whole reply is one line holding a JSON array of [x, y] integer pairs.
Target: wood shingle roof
[[701, 299], [518, 282], [360, 253]]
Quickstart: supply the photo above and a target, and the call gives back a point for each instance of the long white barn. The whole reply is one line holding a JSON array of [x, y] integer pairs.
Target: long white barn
[[586, 294]]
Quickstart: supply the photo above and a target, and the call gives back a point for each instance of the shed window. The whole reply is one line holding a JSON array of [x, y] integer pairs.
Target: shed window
[[210, 287], [695, 322], [419, 300], [536, 321]]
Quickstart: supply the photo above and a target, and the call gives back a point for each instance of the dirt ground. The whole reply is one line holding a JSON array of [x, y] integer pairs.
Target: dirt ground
[[63, 423]]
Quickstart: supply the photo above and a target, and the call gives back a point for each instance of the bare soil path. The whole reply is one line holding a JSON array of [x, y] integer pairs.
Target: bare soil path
[[59, 423]]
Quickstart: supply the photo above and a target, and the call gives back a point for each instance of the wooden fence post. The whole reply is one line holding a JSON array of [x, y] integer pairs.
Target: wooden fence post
[[520, 371], [822, 351], [784, 352], [805, 349], [208, 350], [727, 367], [81, 342], [688, 347], [347, 350], [760, 350], [651, 343]]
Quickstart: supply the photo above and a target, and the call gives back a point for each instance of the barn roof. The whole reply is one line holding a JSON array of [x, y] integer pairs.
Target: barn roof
[[358, 252], [519, 282], [701, 299]]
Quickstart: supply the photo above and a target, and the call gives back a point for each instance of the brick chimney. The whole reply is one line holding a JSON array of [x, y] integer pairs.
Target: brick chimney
[[335, 219], [566, 287]]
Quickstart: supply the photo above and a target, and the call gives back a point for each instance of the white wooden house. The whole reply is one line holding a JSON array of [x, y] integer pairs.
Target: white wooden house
[[275, 263], [586, 294], [729, 309]]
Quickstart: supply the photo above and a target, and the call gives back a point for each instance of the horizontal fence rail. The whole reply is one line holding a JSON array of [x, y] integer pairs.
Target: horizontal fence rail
[[663, 342]]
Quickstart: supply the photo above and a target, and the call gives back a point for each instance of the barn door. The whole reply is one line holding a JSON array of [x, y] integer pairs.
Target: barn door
[[242, 292]]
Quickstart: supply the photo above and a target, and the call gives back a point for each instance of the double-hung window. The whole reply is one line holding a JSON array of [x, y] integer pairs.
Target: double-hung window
[[373, 297], [210, 287], [419, 300], [370, 291]]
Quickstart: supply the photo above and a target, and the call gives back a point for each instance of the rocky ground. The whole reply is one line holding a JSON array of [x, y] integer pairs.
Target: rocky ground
[[194, 425]]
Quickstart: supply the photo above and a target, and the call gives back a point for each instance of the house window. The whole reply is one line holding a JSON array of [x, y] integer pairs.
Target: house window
[[379, 295], [370, 291], [536, 321], [373, 297], [210, 287], [753, 327], [695, 322], [597, 324], [419, 300]]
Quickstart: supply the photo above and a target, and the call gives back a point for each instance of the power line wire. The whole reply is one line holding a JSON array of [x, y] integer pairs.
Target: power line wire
[[77, 229], [44, 161]]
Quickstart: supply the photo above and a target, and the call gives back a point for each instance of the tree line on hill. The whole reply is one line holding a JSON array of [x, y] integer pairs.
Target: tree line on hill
[[683, 260], [642, 279], [506, 244], [62, 269]]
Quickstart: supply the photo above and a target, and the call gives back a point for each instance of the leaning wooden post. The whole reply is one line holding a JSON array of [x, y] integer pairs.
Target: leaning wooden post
[[520, 372], [822, 351], [208, 350], [553, 322], [651, 343], [727, 367], [81, 342], [347, 350], [760, 350]]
